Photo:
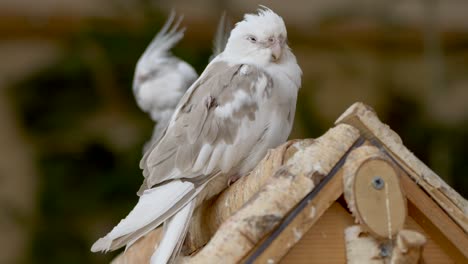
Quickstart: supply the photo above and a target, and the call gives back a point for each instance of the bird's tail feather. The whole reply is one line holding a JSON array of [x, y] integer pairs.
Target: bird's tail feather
[[167, 37], [154, 207], [222, 35], [175, 229]]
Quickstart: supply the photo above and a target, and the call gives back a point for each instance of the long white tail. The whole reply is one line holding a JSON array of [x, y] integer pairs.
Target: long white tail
[[155, 206], [175, 229]]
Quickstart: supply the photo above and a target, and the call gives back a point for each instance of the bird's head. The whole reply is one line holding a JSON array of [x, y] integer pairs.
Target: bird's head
[[260, 38]]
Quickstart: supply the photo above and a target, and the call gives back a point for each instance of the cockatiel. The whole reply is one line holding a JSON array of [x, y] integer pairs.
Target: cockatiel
[[242, 105], [161, 78]]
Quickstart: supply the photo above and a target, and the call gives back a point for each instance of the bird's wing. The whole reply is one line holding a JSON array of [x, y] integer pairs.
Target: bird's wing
[[216, 114], [160, 78]]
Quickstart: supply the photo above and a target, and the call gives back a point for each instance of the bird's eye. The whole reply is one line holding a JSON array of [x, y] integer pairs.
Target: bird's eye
[[271, 39], [252, 39]]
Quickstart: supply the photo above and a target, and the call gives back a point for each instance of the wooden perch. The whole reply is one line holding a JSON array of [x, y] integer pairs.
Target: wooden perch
[[251, 208]]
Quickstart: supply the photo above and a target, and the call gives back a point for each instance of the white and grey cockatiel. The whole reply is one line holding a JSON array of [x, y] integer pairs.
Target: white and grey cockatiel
[[242, 105], [161, 78]]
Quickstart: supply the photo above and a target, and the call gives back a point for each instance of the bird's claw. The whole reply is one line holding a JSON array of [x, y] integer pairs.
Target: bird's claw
[[232, 179]]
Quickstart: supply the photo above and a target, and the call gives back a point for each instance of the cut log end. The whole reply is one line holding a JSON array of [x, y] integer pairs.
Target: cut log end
[[408, 247], [373, 193]]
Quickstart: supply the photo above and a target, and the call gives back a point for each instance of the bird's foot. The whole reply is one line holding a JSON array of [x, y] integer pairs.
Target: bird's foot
[[233, 178]]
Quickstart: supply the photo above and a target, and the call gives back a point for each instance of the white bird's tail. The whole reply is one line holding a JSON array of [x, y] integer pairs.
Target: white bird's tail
[[175, 229], [172, 202], [167, 37]]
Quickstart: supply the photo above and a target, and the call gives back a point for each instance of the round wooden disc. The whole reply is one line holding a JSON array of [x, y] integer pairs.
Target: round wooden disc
[[379, 200]]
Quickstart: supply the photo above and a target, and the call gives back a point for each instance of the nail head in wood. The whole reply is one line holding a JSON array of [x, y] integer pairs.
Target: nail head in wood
[[378, 182]]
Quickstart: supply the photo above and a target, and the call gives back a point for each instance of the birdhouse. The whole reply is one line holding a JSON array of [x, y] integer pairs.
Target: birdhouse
[[354, 195]]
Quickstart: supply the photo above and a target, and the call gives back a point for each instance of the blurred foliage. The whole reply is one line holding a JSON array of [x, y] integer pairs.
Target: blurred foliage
[[88, 178]]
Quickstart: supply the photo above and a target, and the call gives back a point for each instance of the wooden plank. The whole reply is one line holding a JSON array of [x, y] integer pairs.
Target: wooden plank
[[365, 119], [303, 221], [438, 225], [324, 242]]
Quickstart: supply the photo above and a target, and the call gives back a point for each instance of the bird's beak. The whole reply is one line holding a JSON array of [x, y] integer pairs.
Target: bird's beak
[[276, 51]]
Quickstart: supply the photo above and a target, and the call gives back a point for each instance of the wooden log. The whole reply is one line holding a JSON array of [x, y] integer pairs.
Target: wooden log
[[373, 193], [294, 231]]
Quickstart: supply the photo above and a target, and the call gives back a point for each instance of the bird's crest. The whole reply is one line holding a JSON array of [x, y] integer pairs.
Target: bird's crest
[[264, 20]]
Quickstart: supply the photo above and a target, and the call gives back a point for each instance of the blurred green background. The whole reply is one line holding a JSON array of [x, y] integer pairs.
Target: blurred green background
[[71, 134]]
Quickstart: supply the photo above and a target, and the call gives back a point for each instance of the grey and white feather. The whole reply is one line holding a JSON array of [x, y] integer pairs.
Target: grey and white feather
[[242, 105]]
